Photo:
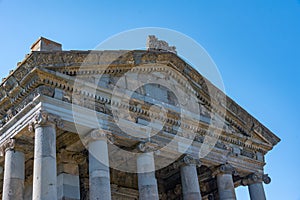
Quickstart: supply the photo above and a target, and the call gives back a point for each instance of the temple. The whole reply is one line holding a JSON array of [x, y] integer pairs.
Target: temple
[[116, 124]]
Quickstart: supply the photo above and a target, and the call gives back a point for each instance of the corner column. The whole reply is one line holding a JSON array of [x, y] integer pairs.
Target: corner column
[[255, 185], [147, 182], [44, 169], [225, 182], [189, 178], [99, 177], [14, 171]]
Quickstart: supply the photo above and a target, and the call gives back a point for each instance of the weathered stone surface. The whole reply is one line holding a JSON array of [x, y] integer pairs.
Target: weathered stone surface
[[226, 187], [44, 173], [256, 191], [68, 187], [190, 182], [14, 170], [154, 43], [255, 185], [147, 182], [28, 192], [44, 44], [99, 167]]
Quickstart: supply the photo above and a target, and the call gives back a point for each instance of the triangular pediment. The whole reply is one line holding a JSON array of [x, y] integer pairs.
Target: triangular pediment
[[63, 65]]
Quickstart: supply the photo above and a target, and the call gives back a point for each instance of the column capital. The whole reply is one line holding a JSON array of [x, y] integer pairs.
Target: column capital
[[98, 134], [256, 178], [8, 144], [224, 169], [145, 147], [187, 160], [43, 118]]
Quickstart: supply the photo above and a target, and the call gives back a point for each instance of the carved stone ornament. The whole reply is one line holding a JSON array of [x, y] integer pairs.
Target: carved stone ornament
[[256, 178], [45, 90], [187, 160], [266, 179], [43, 118], [145, 147], [7, 145], [225, 169], [154, 43], [98, 134]]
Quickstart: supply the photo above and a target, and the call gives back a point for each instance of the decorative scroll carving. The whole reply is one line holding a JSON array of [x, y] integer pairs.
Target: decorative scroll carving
[[43, 118], [154, 43], [225, 169], [145, 147], [187, 160], [266, 179], [98, 134], [256, 178], [8, 144], [20, 73]]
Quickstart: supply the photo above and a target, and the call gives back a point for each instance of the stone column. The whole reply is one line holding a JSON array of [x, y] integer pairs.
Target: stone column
[[147, 182], [44, 170], [255, 185], [14, 172], [225, 182], [189, 178], [99, 177]]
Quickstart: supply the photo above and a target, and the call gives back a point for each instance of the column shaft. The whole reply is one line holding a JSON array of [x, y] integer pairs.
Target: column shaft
[[226, 187], [256, 191], [190, 183], [147, 182], [14, 170], [44, 173], [99, 170]]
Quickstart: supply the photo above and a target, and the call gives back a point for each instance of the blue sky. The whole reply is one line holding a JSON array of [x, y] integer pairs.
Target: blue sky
[[255, 44]]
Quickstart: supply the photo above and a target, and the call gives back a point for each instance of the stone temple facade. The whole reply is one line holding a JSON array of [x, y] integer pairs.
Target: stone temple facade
[[72, 126]]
